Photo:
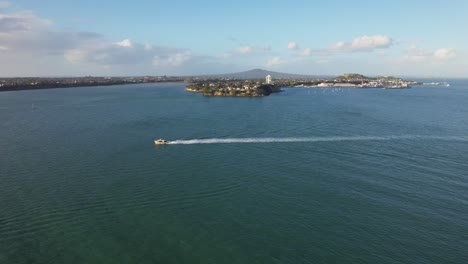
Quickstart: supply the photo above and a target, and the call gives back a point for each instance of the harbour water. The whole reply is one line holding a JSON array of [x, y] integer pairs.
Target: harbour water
[[304, 176]]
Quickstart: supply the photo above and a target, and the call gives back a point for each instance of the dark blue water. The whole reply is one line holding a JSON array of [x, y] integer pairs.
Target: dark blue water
[[304, 176]]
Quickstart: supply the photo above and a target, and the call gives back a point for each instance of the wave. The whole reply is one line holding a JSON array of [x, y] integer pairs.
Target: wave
[[313, 139]]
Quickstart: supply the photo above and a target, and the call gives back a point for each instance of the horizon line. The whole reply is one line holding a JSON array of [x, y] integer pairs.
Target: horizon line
[[218, 74]]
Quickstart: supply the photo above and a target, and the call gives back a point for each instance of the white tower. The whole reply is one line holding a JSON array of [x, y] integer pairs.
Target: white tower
[[268, 79]]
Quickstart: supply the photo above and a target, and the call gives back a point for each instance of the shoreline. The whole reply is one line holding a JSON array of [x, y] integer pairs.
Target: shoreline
[[46, 86]]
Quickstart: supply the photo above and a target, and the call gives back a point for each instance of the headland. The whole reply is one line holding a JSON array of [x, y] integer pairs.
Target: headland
[[252, 88]]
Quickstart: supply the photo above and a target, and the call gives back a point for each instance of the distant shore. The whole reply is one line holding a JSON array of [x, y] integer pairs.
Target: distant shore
[[31, 83], [211, 85], [254, 88]]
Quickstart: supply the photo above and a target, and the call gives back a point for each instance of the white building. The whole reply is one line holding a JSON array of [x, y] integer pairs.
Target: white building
[[268, 79]]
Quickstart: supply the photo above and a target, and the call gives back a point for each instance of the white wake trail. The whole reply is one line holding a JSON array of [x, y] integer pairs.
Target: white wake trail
[[313, 139]]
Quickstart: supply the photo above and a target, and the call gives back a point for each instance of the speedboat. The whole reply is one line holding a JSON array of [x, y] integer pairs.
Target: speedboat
[[160, 142]]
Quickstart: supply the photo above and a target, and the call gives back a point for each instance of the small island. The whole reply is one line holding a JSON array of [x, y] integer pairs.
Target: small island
[[234, 88]]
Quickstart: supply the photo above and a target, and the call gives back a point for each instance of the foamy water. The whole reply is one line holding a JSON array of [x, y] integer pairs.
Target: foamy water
[[312, 139]]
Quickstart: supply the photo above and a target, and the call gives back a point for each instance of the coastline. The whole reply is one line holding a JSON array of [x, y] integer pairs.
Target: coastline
[[210, 86], [21, 84]]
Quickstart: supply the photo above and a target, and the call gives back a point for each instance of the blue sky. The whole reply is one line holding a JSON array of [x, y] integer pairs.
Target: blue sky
[[64, 37]]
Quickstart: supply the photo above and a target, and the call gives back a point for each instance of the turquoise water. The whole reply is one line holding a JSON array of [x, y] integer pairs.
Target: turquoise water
[[304, 176]]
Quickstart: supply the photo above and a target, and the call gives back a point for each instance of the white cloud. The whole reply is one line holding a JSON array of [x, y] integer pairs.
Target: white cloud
[[265, 47], [75, 55], [4, 4], [20, 22], [415, 54], [24, 34], [274, 61], [363, 44], [293, 46], [371, 42], [125, 43], [106, 53], [246, 49], [172, 60], [359, 44], [305, 52], [445, 54], [243, 50], [226, 55], [340, 46], [148, 47]]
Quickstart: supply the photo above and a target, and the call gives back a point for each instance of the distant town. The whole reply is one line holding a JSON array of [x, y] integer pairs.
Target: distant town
[[249, 84], [253, 88], [32, 83]]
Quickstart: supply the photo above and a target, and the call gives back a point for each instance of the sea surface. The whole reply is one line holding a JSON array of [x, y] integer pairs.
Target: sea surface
[[303, 176]]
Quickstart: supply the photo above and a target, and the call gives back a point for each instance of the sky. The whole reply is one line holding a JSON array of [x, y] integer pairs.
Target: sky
[[151, 37]]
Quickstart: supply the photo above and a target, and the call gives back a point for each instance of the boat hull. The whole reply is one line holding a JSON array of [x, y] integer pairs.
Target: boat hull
[[160, 142]]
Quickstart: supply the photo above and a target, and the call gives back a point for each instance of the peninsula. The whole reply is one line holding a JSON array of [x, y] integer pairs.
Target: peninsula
[[234, 88], [224, 86]]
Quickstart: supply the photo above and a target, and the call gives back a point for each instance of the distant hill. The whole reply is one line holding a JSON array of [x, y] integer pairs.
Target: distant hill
[[260, 74]]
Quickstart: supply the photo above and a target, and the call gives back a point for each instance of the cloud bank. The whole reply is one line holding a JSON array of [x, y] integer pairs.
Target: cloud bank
[[364, 44], [416, 54], [23, 34], [4, 4], [274, 62], [359, 44], [247, 50]]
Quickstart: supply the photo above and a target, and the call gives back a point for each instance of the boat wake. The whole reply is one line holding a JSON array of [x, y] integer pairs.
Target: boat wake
[[312, 139]]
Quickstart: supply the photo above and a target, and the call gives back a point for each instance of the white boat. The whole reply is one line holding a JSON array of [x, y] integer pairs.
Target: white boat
[[160, 142]]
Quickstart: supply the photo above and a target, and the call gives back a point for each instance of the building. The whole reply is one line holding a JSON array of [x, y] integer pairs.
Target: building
[[268, 79]]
